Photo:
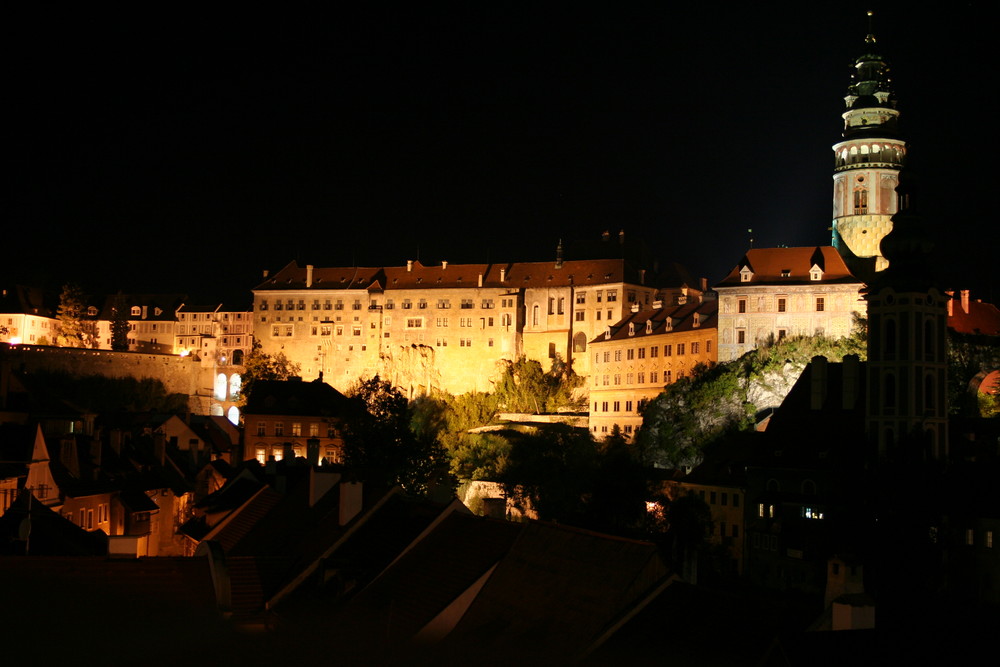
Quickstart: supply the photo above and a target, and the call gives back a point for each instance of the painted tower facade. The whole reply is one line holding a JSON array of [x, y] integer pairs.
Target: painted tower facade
[[867, 164]]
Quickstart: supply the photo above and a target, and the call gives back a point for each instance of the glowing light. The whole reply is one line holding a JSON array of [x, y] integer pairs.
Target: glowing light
[[184, 353]]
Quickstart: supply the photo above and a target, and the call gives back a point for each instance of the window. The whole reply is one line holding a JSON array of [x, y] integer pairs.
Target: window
[[782, 333], [604, 406], [680, 349], [313, 429], [441, 342], [467, 304], [296, 429], [487, 303], [465, 322], [969, 536], [612, 295], [694, 348], [441, 322], [607, 357], [617, 406], [465, 342], [628, 406], [641, 377], [618, 379], [741, 336], [820, 304], [561, 305], [599, 294], [279, 429], [741, 306], [261, 428], [414, 322], [618, 355], [782, 304], [668, 350], [581, 297], [579, 316], [988, 543], [630, 354], [653, 377], [443, 303], [654, 351], [642, 353]]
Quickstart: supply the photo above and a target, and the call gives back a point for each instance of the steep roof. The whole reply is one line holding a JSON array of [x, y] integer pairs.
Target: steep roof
[[516, 275], [294, 397], [973, 316], [681, 318], [790, 266]]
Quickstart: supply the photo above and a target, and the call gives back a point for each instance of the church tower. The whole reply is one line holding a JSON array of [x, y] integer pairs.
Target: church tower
[[867, 164], [907, 413]]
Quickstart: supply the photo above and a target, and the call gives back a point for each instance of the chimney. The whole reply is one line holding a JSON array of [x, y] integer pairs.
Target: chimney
[[320, 483], [503, 274], [850, 381], [444, 264], [480, 280], [819, 378], [160, 447], [350, 501], [409, 265], [642, 276], [559, 255], [965, 301], [309, 275], [951, 304], [312, 451], [266, 272]]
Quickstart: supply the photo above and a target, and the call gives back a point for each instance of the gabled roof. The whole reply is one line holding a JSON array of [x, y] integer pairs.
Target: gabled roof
[[294, 277], [681, 318], [294, 397], [153, 307], [790, 266], [24, 300], [973, 316], [516, 275]]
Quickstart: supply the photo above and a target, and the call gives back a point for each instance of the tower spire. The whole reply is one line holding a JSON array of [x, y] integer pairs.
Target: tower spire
[[867, 162]]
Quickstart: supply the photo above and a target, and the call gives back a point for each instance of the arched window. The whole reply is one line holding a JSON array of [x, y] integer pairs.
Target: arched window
[[233, 415], [534, 315], [238, 357], [221, 385], [928, 392], [580, 342], [235, 384], [889, 339], [929, 340], [890, 390], [215, 410]]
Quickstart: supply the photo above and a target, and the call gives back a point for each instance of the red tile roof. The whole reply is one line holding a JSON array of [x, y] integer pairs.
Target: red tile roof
[[790, 266]]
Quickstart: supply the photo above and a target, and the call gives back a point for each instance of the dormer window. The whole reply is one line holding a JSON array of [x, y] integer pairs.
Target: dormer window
[[786, 273], [631, 328], [670, 323], [746, 274], [92, 311], [607, 333], [696, 320], [136, 311], [649, 326], [815, 273]]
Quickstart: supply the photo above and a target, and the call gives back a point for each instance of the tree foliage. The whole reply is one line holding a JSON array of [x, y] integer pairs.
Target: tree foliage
[[715, 400], [522, 386], [96, 393], [381, 448], [970, 356], [564, 475], [119, 323], [258, 365], [72, 329]]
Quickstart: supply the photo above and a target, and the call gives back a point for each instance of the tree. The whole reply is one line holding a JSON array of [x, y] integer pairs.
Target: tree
[[522, 386], [119, 324], [380, 447], [72, 332], [258, 365]]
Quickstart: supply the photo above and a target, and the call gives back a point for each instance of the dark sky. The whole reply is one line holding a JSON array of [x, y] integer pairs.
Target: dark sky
[[189, 151]]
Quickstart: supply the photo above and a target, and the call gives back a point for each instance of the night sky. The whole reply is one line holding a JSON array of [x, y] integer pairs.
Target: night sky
[[186, 152]]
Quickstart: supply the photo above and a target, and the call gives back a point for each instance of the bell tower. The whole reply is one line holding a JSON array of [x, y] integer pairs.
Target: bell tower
[[867, 163]]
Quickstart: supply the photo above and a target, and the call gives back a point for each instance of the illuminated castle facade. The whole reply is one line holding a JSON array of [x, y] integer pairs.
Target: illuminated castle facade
[[867, 164], [446, 327]]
